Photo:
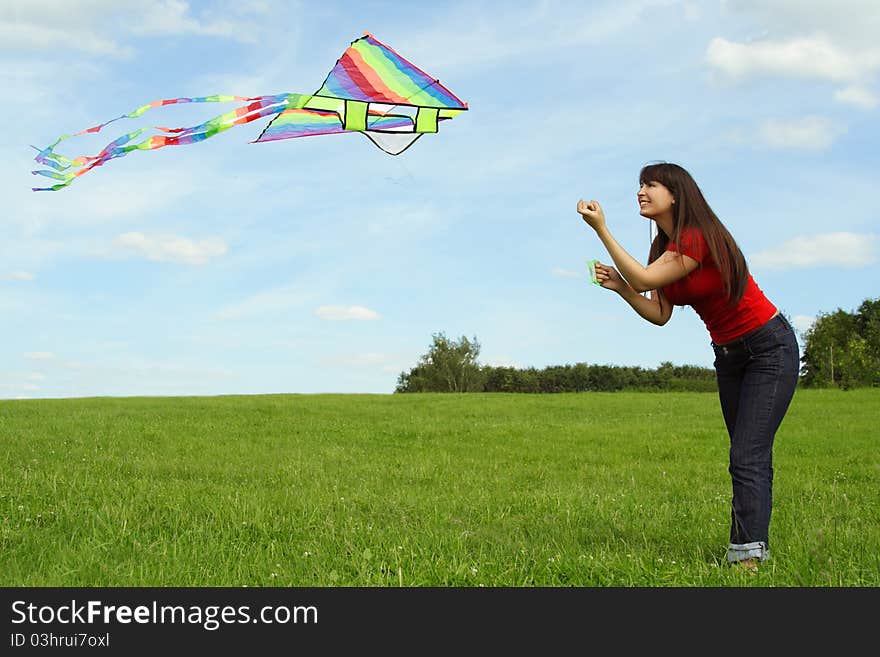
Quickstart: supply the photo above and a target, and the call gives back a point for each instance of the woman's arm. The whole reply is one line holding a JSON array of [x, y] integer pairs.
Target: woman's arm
[[656, 310], [663, 271]]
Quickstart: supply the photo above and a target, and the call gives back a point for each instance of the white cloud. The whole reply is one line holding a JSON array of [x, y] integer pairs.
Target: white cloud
[[475, 37], [692, 10], [802, 322], [55, 11], [858, 96], [173, 17], [19, 276], [855, 22], [24, 36], [39, 355], [49, 25], [812, 58], [830, 249], [566, 273], [805, 39], [93, 26], [171, 248], [345, 313], [814, 133]]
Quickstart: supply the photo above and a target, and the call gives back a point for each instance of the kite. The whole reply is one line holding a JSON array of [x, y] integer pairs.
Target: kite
[[371, 90]]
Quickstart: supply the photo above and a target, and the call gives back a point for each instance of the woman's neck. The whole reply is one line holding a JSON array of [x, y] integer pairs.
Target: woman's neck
[[665, 224]]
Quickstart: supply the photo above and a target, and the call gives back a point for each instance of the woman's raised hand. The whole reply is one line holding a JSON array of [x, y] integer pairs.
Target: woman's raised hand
[[592, 213]]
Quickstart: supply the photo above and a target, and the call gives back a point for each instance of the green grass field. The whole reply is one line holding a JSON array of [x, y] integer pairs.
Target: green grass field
[[593, 489]]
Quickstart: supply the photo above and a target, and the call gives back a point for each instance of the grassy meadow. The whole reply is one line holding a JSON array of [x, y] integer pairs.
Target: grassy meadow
[[592, 489]]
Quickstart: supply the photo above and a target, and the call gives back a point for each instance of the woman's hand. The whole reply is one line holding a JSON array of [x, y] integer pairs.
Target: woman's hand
[[609, 278], [592, 213]]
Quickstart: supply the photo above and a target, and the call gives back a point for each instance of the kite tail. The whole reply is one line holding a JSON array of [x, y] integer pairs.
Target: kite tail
[[66, 170]]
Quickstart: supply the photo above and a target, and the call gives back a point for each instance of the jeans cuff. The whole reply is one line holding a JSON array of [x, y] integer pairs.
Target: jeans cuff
[[739, 551]]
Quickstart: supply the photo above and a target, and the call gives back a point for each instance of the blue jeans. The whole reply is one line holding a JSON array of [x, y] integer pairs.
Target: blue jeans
[[757, 375]]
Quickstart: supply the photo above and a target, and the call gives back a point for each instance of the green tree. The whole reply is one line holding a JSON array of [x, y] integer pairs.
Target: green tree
[[824, 345], [449, 366], [860, 363], [843, 349]]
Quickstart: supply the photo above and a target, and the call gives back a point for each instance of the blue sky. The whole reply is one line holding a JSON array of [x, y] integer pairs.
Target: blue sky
[[325, 265]]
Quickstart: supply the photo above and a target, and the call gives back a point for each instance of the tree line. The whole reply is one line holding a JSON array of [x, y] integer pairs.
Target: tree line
[[840, 349], [452, 366]]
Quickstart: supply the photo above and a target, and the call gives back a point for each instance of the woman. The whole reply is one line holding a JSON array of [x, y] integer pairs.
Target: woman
[[695, 261]]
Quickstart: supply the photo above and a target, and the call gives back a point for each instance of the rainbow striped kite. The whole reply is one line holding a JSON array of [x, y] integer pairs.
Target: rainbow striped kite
[[371, 90]]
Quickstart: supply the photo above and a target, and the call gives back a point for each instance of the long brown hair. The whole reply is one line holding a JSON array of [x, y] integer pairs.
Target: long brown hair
[[692, 211]]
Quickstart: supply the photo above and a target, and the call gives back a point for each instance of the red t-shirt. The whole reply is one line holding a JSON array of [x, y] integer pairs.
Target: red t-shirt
[[703, 290]]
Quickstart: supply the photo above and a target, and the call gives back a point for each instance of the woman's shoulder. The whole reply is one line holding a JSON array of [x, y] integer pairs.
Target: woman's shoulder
[[692, 242], [692, 234]]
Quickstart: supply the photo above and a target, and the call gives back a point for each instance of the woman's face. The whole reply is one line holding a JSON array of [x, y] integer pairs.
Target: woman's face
[[654, 199]]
